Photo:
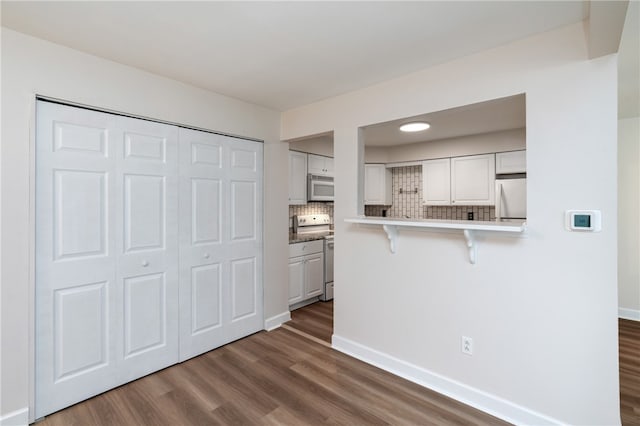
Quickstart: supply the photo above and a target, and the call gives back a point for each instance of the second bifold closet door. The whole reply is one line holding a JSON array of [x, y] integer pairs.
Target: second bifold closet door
[[220, 240]]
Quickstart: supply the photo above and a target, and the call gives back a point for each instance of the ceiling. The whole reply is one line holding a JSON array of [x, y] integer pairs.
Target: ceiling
[[284, 55]]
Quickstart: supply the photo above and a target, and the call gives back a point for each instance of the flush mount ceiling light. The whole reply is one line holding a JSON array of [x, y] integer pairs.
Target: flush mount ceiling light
[[416, 126]]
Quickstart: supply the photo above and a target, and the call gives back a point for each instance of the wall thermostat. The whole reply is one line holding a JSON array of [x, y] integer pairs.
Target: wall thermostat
[[583, 220]]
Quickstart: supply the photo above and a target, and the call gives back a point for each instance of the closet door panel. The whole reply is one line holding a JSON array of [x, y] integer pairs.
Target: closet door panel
[[144, 211], [79, 191], [76, 300], [203, 218], [206, 211], [243, 210], [220, 243], [244, 288], [245, 315], [81, 346], [145, 314], [147, 241], [206, 298]]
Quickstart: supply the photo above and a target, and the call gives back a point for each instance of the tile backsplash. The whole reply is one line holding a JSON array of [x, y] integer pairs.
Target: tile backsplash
[[405, 204], [311, 208], [408, 203]]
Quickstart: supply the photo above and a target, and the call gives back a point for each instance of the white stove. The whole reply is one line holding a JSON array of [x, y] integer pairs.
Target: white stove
[[310, 223]]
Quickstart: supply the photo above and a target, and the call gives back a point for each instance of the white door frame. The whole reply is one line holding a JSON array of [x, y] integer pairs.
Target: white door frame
[[31, 284]]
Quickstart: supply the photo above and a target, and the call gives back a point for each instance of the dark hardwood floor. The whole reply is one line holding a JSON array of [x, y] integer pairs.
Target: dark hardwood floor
[[272, 378], [629, 349], [284, 377]]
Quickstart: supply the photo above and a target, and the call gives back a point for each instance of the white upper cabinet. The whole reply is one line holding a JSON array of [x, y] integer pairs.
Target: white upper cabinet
[[436, 182], [320, 165], [473, 180], [297, 177], [511, 162], [377, 185]]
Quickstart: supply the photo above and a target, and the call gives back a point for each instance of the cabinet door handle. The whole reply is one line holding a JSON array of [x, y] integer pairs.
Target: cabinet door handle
[[206, 255], [145, 263]]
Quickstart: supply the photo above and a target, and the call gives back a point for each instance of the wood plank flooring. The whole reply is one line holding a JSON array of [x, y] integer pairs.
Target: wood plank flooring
[[629, 349], [272, 378], [283, 378], [315, 320]]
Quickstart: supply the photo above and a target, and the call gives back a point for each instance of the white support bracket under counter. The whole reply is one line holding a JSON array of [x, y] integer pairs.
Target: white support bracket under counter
[[469, 228]]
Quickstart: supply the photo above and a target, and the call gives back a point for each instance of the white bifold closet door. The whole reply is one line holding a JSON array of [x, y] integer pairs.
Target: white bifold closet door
[[220, 240], [113, 302]]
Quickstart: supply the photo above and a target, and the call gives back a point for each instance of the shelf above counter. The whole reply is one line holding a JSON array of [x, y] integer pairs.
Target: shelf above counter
[[469, 228]]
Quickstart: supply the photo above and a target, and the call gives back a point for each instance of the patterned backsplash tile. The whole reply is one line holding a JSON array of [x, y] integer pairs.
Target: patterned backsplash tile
[[407, 201], [405, 204]]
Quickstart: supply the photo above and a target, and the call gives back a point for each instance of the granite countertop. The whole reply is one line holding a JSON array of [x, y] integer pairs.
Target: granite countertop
[[301, 238]]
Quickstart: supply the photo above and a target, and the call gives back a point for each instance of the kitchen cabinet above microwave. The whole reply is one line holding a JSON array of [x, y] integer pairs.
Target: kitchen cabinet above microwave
[[319, 165], [459, 181], [297, 178], [511, 162]]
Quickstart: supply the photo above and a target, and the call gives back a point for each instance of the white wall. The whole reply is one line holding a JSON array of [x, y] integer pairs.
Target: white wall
[[507, 140], [542, 310], [31, 66], [628, 215], [376, 154], [320, 146]]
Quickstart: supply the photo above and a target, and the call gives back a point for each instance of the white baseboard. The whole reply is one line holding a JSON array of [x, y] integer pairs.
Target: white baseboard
[[630, 314], [491, 404], [276, 321], [303, 303], [15, 418]]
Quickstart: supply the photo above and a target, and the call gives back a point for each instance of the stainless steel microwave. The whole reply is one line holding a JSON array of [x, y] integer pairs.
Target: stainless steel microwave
[[320, 188]]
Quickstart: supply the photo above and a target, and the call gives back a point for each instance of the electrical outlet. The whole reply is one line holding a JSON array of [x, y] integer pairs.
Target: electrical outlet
[[467, 345]]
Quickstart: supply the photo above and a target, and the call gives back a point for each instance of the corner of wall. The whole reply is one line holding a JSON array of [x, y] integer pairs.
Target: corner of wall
[[276, 321]]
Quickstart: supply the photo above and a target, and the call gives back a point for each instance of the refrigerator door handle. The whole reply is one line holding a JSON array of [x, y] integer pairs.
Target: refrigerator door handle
[[498, 201]]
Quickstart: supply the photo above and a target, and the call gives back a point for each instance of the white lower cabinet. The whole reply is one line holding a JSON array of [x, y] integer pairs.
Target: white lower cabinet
[[306, 271]]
